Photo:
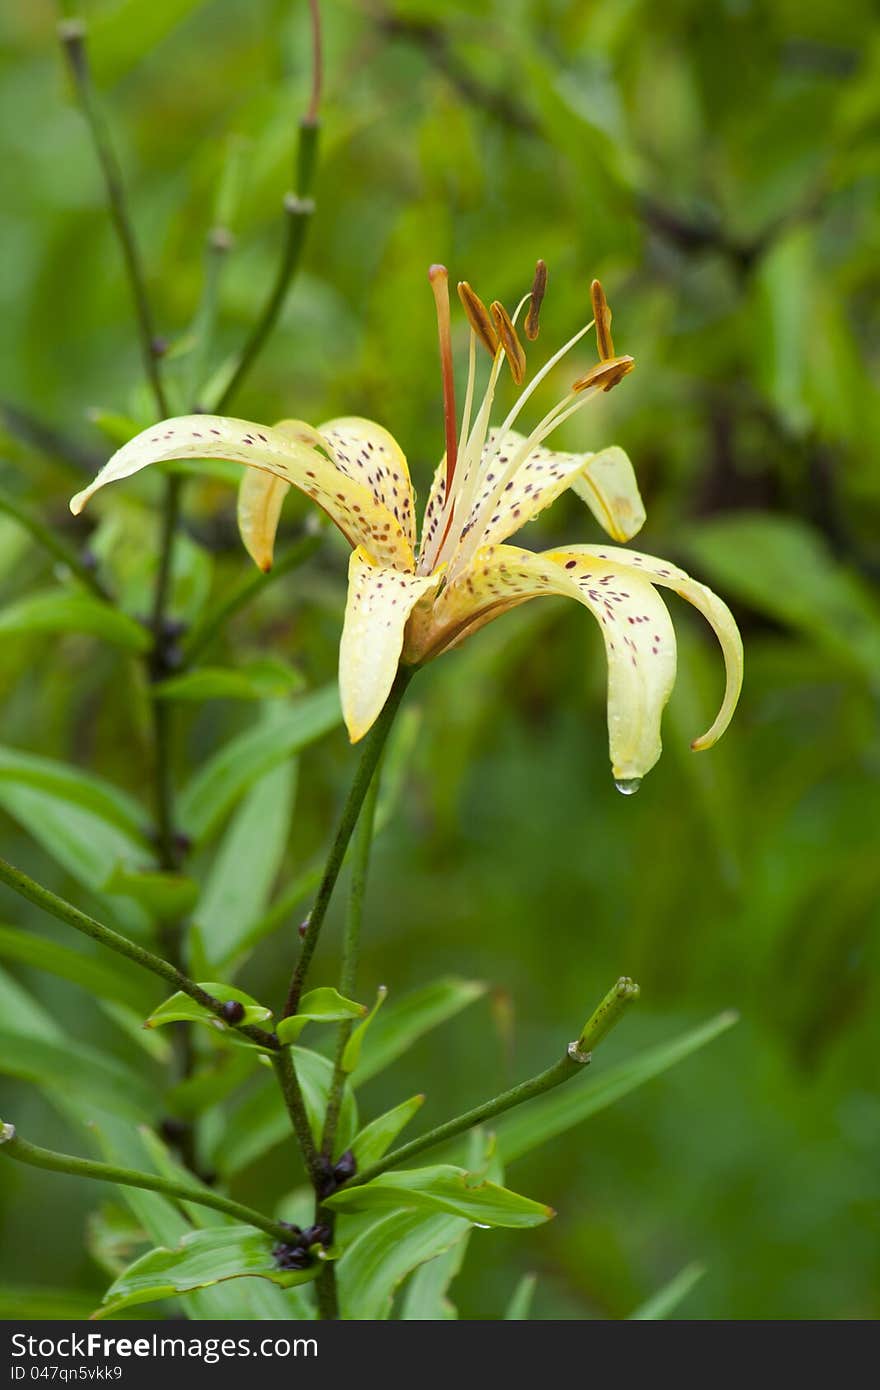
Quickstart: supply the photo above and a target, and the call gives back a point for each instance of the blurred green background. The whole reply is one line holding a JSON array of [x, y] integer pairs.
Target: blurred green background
[[717, 164]]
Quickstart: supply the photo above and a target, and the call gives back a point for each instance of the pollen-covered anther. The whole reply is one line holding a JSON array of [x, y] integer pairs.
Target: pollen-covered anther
[[605, 375], [513, 348], [478, 317], [602, 316], [539, 289]]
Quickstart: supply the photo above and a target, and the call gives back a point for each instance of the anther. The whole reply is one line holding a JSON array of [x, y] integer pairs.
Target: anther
[[605, 374], [602, 315], [510, 342], [478, 317], [539, 289]]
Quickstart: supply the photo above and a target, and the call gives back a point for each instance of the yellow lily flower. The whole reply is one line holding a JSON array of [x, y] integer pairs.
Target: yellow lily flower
[[412, 603]]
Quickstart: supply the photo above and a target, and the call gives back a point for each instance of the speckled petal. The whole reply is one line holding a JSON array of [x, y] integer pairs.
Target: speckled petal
[[260, 499], [714, 610], [636, 628], [433, 518], [291, 451], [604, 480], [366, 452], [380, 601]]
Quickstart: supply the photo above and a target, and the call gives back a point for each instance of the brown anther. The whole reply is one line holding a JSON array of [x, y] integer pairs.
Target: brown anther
[[510, 342], [602, 315], [605, 374], [478, 317], [539, 288]]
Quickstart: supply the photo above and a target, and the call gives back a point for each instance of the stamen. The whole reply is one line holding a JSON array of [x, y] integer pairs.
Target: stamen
[[510, 342], [536, 299], [478, 317], [602, 315], [605, 374], [439, 279]]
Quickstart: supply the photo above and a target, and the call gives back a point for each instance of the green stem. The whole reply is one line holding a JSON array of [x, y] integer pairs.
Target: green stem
[[89, 926], [72, 34], [285, 1070], [578, 1055], [216, 252], [372, 750], [14, 1147], [351, 943], [298, 213], [52, 542], [252, 585]]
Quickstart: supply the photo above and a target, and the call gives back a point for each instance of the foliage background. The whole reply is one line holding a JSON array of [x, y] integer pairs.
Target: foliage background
[[717, 164]]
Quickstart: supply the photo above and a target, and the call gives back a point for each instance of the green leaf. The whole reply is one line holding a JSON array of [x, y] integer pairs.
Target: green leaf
[[259, 680], [260, 1121], [667, 1299], [406, 1020], [351, 1053], [384, 1252], [232, 900], [213, 791], [443, 1187], [521, 1300], [180, 1007], [97, 975], [324, 1005], [165, 896], [376, 1138], [532, 1125], [200, 1260], [57, 611], [74, 786], [782, 568], [425, 1299], [43, 1304], [75, 1072]]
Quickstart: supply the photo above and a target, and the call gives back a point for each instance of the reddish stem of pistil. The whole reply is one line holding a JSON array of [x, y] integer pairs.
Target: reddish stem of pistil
[[439, 284]]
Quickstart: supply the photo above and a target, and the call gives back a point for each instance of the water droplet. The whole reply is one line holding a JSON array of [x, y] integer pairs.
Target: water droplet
[[481, 1226], [627, 786]]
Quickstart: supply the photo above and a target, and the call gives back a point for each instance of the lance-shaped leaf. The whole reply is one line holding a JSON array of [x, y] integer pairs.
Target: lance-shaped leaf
[[68, 612], [376, 1138], [257, 680], [324, 1005], [165, 896], [352, 1051], [384, 1252], [443, 1187], [180, 1008], [665, 1301], [199, 1261], [406, 1020]]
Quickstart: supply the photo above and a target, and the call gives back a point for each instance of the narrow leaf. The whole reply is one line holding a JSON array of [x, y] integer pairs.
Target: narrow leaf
[[667, 1299], [181, 1007], [376, 1138], [443, 1187], [324, 1005], [57, 611], [384, 1253], [407, 1019]]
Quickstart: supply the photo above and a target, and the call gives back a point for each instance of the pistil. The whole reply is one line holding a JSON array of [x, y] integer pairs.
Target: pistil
[[439, 284]]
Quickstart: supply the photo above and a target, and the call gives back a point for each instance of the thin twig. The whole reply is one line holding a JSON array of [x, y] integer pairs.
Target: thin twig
[[72, 35], [11, 1146], [49, 539], [89, 926], [288, 1081]]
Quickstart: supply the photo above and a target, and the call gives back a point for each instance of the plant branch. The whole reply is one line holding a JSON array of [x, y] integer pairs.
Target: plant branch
[[89, 926], [72, 35], [45, 437], [576, 1057], [49, 539], [13, 1147], [371, 752], [252, 585], [285, 1071], [351, 943]]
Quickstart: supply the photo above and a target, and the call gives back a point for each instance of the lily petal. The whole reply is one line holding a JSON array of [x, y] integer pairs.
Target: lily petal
[[635, 625], [380, 601], [433, 517], [606, 482], [713, 609], [292, 451], [367, 452], [260, 499]]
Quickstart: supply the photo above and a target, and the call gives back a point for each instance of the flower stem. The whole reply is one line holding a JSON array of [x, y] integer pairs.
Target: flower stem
[[72, 35], [372, 750], [351, 943], [253, 584], [576, 1058], [288, 1081], [89, 926], [13, 1147]]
